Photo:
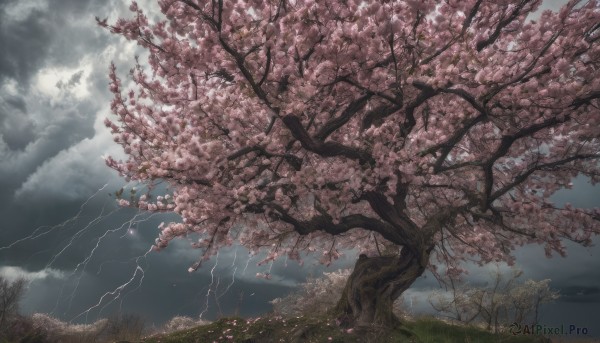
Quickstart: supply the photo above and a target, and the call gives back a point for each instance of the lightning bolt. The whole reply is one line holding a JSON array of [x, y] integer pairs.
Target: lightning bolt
[[232, 276], [85, 262], [116, 293], [80, 233], [212, 279], [247, 262], [35, 234]]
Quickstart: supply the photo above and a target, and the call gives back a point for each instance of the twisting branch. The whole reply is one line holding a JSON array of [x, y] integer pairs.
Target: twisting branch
[[578, 102], [380, 112], [471, 16], [427, 92], [335, 123], [389, 213], [294, 161], [239, 60], [324, 222], [325, 149]]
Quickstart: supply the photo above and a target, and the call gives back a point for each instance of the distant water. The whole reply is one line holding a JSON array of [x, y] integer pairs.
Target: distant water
[[582, 315]]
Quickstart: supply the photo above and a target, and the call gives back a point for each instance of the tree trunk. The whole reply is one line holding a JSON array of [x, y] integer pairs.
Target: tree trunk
[[375, 283]]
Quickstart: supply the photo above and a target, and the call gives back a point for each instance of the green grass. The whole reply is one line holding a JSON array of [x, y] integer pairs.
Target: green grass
[[432, 330], [321, 329]]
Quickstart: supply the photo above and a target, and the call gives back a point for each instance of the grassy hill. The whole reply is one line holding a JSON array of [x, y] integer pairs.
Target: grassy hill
[[320, 329]]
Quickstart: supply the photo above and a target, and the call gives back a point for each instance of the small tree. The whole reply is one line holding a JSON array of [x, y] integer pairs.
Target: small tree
[[458, 305], [493, 301], [10, 295], [503, 300], [527, 298], [441, 128]]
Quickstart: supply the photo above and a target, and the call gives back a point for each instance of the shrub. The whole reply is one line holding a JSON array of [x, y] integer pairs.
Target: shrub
[[181, 323], [56, 330]]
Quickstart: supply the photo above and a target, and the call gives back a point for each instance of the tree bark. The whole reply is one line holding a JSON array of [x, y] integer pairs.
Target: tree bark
[[375, 284]]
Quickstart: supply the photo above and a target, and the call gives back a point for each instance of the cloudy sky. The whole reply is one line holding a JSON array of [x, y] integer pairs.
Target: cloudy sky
[[88, 259]]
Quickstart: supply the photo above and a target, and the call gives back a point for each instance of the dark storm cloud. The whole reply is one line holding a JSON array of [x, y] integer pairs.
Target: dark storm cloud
[[16, 102], [25, 43], [36, 35], [47, 35], [16, 129], [15, 166]]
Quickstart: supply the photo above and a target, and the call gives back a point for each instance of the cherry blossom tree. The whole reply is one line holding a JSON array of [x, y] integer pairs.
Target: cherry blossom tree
[[436, 130]]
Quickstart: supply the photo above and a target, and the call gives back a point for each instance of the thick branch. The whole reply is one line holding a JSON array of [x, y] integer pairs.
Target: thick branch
[[335, 123], [578, 102], [325, 149], [239, 60], [292, 160], [427, 92], [471, 16], [325, 223], [389, 213], [401, 194], [374, 116]]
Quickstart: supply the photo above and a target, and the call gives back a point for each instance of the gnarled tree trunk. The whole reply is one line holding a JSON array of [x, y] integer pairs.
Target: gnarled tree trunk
[[376, 283]]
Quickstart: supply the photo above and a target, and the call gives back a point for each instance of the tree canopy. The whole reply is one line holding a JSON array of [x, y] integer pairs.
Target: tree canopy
[[303, 125]]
